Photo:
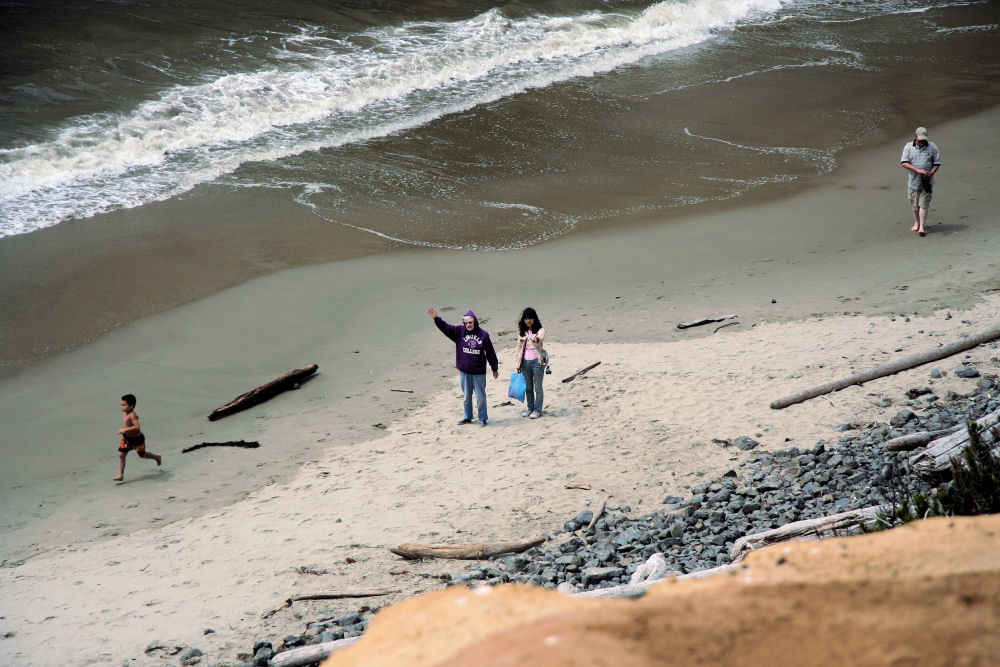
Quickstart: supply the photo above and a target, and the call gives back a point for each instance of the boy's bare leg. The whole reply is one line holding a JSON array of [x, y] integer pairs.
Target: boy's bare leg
[[121, 467], [151, 455]]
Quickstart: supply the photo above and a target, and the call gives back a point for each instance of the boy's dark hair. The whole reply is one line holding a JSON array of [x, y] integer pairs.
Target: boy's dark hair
[[130, 399]]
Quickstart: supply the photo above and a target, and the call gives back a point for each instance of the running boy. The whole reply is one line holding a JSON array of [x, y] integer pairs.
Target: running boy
[[132, 437]]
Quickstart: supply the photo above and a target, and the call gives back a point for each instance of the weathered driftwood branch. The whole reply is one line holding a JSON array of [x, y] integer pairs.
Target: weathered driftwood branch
[[937, 458], [403, 391], [637, 587], [723, 326], [597, 516], [289, 380], [705, 320], [473, 551], [231, 443], [372, 593], [808, 529], [889, 369], [309, 655], [905, 443], [581, 372]]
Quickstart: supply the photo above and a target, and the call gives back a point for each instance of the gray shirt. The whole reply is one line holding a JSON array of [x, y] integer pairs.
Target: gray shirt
[[922, 158]]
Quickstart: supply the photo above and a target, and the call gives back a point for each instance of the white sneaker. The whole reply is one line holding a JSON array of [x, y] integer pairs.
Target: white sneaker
[[535, 415]]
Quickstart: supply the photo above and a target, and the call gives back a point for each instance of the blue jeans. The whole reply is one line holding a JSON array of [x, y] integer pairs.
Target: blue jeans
[[533, 373], [474, 383]]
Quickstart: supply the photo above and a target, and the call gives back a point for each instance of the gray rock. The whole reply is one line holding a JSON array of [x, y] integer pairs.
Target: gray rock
[[936, 373], [192, 656], [263, 656], [966, 372], [902, 417], [595, 575], [745, 443]]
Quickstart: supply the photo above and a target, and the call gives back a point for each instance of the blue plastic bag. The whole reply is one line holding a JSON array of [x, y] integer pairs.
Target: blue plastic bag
[[517, 386]]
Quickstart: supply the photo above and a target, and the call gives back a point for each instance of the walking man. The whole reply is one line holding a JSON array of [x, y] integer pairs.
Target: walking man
[[922, 159]]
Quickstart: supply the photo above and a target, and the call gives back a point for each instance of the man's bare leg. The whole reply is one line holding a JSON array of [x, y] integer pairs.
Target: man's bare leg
[[916, 220], [921, 221]]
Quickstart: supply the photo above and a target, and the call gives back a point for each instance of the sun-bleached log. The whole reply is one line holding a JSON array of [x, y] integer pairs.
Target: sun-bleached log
[[471, 551], [843, 523], [289, 380], [308, 655], [888, 369], [905, 443], [938, 456]]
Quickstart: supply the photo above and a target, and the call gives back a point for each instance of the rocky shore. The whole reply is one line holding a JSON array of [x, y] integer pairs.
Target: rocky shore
[[695, 532]]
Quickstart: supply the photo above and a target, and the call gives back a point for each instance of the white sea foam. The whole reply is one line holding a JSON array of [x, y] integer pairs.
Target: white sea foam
[[325, 92]]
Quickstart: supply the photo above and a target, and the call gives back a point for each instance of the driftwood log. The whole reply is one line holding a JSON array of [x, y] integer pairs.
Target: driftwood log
[[472, 551], [905, 443], [373, 593], [845, 522], [310, 655], [231, 443], [937, 458], [637, 587], [705, 320], [888, 369], [581, 372], [289, 380], [596, 517]]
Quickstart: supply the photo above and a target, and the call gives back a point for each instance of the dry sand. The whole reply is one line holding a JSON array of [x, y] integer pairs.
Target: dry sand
[[95, 572]]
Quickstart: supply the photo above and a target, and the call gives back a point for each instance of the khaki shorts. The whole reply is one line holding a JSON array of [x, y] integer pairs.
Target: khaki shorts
[[919, 198]]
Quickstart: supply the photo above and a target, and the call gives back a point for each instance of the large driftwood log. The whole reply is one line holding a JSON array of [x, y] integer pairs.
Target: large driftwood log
[[289, 380], [937, 458], [473, 551], [581, 372], [905, 443], [849, 522], [372, 593], [309, 655], [705, 320], [889, 369]]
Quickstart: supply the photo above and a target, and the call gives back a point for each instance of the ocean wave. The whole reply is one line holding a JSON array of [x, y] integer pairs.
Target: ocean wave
[[326, 90]]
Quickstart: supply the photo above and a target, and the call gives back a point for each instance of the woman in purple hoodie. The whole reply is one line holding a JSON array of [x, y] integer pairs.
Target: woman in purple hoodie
[[473, 349]]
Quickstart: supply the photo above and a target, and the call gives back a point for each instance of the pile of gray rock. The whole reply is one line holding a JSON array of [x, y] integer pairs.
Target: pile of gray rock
[[696, 531]]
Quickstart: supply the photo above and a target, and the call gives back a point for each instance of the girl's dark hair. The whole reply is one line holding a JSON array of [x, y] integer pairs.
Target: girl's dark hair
[[522, 327], [129, 399]]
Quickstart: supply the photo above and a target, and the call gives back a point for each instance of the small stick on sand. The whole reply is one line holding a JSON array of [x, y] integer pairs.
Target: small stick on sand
[[727, 324], [330, 596], [231, 443], [578, 485], [404, 391], [705, 320], [581, 372]]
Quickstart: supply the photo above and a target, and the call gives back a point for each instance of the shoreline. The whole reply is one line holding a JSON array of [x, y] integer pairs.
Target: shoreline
[[215, 529], [63, 283]]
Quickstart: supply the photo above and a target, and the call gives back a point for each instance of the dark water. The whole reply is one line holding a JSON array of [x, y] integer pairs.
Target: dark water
[[452, 123], [264, 135]]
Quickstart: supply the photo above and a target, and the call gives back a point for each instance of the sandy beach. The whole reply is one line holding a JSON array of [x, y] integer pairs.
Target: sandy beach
[[826, 282]]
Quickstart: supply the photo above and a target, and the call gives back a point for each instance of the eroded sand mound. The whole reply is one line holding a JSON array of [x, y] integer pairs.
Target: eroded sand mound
[[927, 593]]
